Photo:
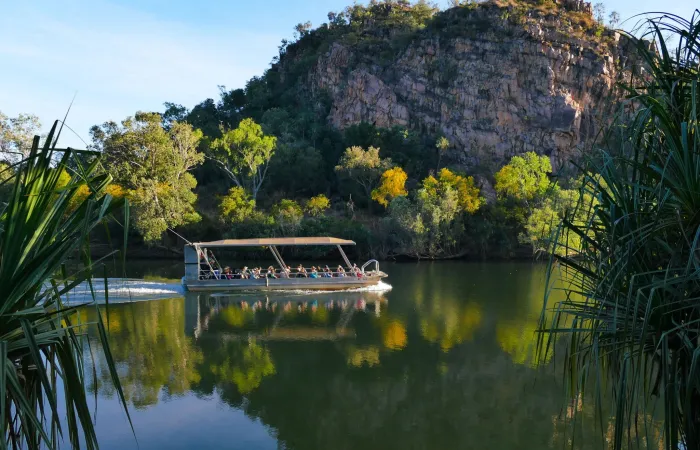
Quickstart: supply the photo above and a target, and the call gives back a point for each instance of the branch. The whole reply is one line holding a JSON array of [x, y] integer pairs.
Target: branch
[[226, 169]]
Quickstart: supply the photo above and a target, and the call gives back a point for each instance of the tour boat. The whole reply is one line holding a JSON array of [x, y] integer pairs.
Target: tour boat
[[203, 273]]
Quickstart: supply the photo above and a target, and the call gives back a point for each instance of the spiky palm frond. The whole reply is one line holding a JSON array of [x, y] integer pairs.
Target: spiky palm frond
[[41, 226], [633, 306]]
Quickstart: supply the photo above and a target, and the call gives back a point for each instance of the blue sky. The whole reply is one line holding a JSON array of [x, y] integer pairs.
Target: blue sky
[[124, 56]]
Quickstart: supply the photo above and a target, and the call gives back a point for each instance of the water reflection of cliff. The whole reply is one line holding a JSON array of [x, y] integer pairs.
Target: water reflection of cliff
[[445, 364]]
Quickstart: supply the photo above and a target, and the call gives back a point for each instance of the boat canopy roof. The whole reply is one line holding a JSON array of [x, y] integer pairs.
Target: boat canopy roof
[[261, 242]]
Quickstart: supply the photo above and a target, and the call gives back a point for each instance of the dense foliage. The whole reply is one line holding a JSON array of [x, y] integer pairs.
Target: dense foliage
[[631, 313], [153, 164]]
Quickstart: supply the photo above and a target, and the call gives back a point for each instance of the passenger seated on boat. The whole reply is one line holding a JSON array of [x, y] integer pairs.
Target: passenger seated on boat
[[284, 273], [245, 274], [237, 274], [271, 272], [301, 272], [314, 272], [356, 271], [327, 272], [341, 271], [212, 261], [226, 274]]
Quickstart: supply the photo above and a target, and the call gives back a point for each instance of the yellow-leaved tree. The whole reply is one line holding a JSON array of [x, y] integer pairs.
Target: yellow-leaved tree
[[392, 185], [317, 205], [468, 195]]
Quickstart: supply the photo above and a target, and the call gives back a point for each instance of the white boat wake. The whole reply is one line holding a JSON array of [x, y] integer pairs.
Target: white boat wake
[[123, 290]]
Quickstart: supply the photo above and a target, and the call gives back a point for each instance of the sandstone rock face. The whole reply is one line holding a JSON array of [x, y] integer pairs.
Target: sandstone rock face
[[506, 91]]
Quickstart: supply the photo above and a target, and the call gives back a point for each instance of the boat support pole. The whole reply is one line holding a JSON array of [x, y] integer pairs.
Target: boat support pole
[[278, 257], [342, 253]]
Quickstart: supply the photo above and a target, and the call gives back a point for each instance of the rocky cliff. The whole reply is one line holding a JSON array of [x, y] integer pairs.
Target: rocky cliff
[[497, 79]]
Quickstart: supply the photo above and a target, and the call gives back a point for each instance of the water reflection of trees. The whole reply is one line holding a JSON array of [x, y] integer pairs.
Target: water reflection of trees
[[151, 351], [448, 367]]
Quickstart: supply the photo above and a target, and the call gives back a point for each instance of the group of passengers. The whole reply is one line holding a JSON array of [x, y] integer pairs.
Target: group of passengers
[[301, 272]]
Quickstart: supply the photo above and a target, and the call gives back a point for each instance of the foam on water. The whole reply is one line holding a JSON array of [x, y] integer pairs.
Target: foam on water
[[120, 289], [379, 287]]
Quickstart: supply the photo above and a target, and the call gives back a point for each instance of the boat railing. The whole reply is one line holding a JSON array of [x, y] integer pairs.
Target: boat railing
[[376, 265], [216, 274]]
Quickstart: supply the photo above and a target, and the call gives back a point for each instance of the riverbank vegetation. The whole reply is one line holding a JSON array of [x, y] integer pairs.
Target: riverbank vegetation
[[632, 312], [45, 218], [264, 160]]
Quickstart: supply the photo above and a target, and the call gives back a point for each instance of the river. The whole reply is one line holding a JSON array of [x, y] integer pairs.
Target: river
[[442, 360]]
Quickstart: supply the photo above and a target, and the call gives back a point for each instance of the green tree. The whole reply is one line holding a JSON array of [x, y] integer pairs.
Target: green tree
[[288, 215], [364, 167], [152, 163], [431, 225], [524, 177], [393, 184], [236, 206], [599, 12], [16, 135], [317, 205], [244, 154], [442, 145], [174, 113], [297, 169]]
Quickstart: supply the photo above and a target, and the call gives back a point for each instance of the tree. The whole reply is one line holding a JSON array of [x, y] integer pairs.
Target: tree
[[317, 205], [599, 12], [244, 154], [236, 206], [364, 167], [524, 177], [442, 145], [426, 225], [614, 19], [392, 185], [297, 170], [153, 164], [16, 135], [468, 196], [431, 225], [288, 214], [302, 29], [174, 113]]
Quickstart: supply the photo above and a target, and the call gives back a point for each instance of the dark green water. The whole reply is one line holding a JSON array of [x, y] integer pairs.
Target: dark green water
[[444, 360]]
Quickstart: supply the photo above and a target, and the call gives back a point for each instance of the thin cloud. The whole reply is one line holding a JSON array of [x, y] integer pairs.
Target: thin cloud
[[118, 61]]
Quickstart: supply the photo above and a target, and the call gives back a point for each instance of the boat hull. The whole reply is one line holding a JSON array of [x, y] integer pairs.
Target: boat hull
[[279, 284]]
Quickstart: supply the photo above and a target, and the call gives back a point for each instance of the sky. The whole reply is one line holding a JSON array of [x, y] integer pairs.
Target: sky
[[119, 57]]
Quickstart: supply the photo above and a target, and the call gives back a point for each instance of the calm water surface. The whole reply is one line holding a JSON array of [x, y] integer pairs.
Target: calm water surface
[[444, 360]]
